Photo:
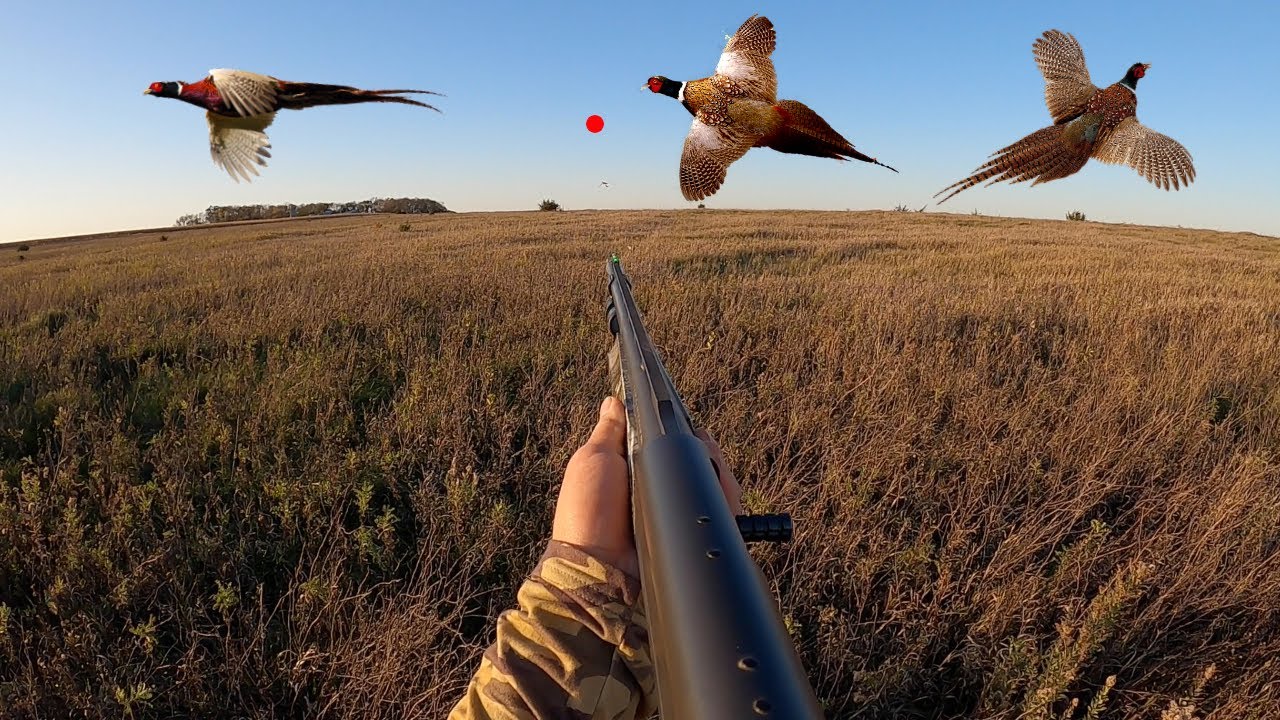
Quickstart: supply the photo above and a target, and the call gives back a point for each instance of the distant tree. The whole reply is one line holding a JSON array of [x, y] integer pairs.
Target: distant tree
[[24, 248], [1076, 215], [549, 206], [229, 213]]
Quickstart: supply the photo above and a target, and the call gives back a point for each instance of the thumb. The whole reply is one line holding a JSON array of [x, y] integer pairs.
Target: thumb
[[611, 429]]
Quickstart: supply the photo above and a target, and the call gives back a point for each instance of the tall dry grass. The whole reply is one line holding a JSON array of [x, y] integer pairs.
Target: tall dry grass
[[298, 468]]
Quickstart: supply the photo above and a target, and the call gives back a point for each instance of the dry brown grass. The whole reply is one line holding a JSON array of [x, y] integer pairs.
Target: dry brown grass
[[299, 467]]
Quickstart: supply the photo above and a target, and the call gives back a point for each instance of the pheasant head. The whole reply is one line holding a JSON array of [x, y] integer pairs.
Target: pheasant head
[[666, 86], [164, 89], [1137, 71]]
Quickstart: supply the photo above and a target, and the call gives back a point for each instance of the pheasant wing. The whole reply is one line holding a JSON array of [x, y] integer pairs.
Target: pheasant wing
[[745, 69], [709, 150], [247, 93], [238, 145], [1158, 158], [1067, 87]]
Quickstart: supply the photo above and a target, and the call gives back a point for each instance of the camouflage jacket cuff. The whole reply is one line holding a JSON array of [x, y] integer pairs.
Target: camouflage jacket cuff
[[576, 646], [561, 562]]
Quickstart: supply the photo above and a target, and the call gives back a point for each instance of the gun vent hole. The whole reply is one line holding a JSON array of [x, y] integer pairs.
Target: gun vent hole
[[761, 706], [703, 520], [748, 663], [713, 554]]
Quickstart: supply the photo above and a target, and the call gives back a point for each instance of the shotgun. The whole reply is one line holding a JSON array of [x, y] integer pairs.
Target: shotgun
[[717, 640]]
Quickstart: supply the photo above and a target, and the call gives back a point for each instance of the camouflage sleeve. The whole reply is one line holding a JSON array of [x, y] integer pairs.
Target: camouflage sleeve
[[575, 647]]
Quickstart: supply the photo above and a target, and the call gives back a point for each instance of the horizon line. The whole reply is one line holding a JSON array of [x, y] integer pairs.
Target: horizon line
[[233, 223]]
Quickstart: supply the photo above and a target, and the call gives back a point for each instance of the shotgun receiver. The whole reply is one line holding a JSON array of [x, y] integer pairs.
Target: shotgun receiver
[[719, 647]]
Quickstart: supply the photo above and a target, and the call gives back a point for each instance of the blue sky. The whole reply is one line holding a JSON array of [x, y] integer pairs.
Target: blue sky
[[929, 88]]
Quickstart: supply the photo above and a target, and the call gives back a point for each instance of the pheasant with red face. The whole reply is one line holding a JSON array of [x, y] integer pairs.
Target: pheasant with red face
[[1088, 122], [240, 105], [737, 109]]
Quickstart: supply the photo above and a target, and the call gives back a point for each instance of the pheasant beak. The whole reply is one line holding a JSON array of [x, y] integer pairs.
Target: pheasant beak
[[1146, 66], [147, 91]]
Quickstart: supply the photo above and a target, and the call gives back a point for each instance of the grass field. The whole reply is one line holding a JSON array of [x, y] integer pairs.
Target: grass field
[[299, 467]]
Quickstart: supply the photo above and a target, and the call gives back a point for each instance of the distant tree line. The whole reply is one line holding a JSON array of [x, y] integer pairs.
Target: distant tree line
[[230, 213]]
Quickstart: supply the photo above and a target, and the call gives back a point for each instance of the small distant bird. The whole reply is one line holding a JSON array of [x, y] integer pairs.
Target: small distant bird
[[1088, 122], [604, 184], [242, 104], [737, 109]]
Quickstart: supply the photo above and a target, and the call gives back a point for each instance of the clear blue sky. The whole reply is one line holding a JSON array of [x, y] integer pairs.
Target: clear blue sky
[[929, 88]]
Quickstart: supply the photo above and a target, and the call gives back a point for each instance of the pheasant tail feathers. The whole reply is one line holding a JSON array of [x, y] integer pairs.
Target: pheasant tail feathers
[[804, 132], [1042, 156], [299, 95]]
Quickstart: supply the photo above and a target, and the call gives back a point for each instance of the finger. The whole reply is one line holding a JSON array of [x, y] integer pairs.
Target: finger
[[611, 429], [728, 482]]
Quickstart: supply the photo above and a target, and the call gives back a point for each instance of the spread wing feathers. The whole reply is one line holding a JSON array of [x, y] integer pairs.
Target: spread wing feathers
[[1067, 87], [745, 69], [247, 93], [709, 150], [806, 133], [238, 145], [1042, 156], [1158, 158]]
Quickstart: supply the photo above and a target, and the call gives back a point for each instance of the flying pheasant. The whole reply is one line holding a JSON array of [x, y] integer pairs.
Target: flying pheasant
[[737, 109], [1088, 122], [242, 104]]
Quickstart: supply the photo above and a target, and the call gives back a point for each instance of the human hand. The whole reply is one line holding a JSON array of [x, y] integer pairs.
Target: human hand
[[593, 511]]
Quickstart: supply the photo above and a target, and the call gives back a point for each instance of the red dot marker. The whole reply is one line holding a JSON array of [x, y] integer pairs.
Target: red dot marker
[[595, 123]]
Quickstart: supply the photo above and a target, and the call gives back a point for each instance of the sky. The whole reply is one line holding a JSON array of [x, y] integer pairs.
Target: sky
[[931, 89]]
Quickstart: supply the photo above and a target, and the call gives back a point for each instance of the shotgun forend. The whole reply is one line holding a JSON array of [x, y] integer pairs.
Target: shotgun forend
[[716, 637]]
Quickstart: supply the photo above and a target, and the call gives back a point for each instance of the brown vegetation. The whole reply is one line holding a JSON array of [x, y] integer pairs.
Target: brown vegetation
[[298, 468]]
